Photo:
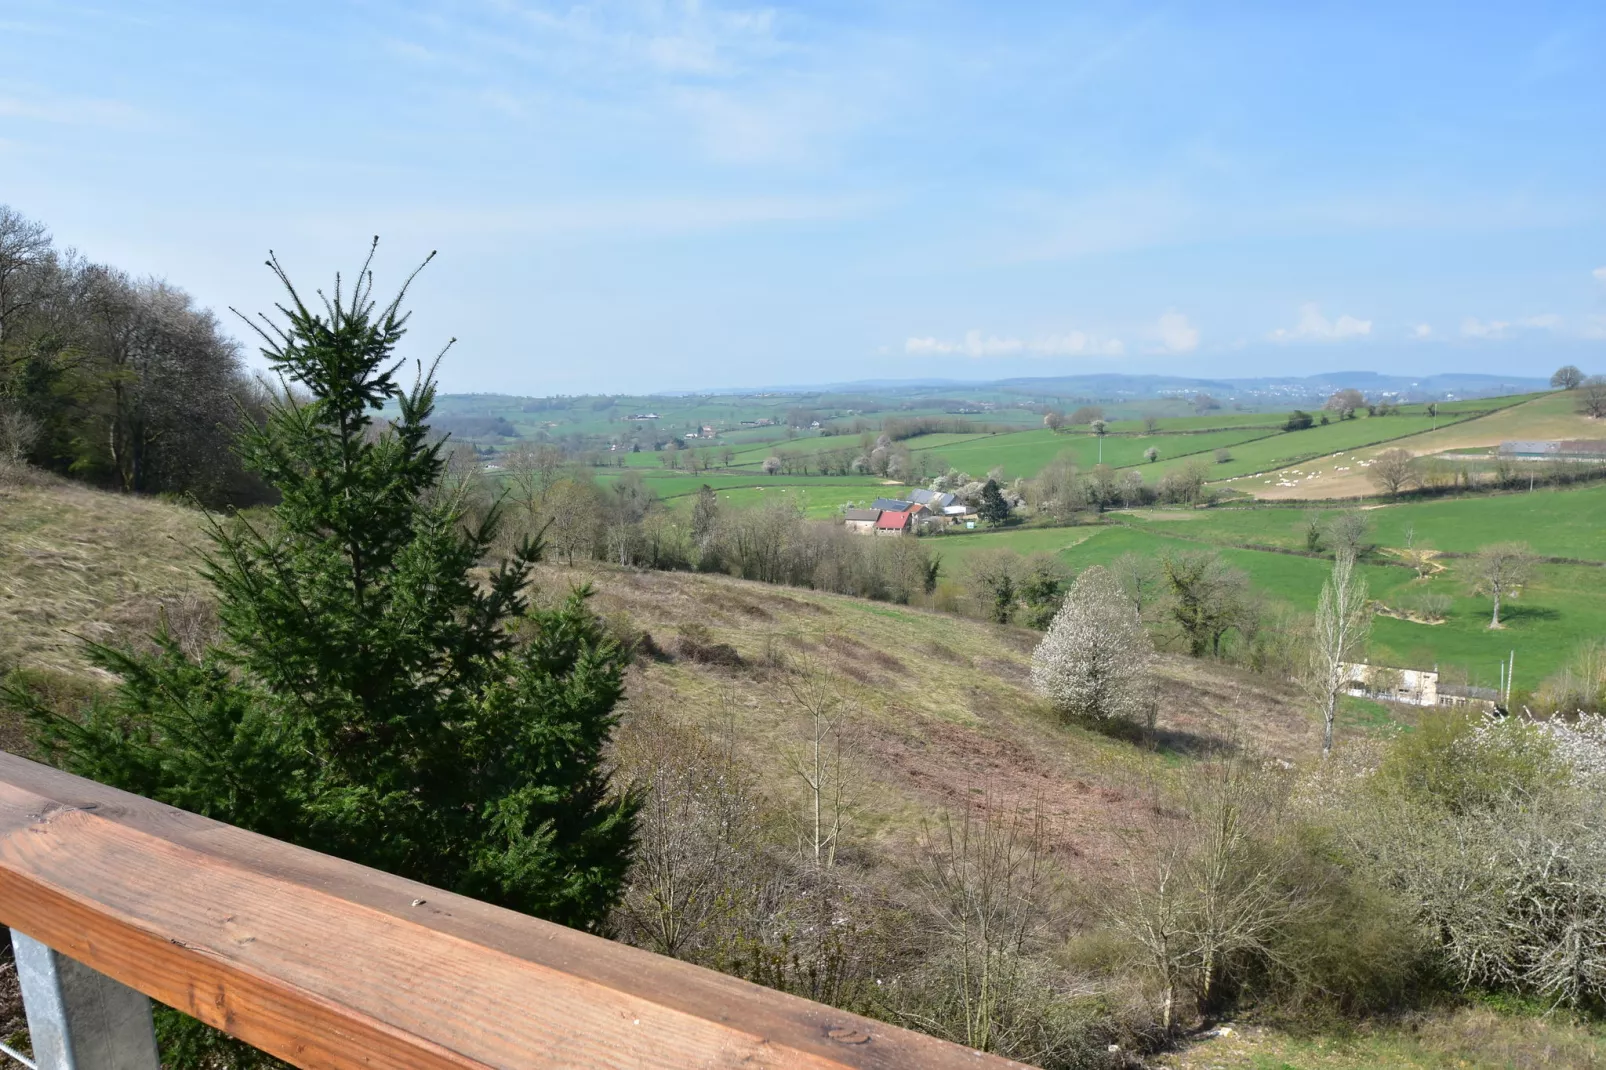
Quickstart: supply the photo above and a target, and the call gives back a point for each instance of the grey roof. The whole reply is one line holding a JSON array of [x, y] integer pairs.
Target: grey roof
[[861, 514], [933, 499], [895, 504]]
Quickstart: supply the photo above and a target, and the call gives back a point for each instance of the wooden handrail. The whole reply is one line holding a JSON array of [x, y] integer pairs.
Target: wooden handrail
[[331, 965]]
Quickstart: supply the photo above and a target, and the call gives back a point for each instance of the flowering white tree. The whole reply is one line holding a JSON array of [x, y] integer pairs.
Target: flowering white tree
[[1094, 661]]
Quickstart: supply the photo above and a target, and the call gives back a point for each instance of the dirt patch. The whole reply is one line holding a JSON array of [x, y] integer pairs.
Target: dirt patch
[[952, 767]]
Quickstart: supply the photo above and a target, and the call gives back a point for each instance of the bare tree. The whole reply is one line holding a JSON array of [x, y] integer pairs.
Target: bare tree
[[1151, 423], [821, 764], [984, 890], [1592, 397], [1140, 580], [25, 253], [572, 515], [697, 830], [18, 433], [1499, 570], [1567, 377], [1348, 531], [1343, 622], [1206, 901], [1393, 470], [1095, 660]]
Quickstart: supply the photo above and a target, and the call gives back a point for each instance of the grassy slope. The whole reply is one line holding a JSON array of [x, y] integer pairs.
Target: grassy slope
[[80, 564], [942, 709]]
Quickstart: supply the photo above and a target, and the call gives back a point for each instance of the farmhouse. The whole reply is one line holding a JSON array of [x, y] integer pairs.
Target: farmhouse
[[861, 520], [892, 522], [1416, 687]]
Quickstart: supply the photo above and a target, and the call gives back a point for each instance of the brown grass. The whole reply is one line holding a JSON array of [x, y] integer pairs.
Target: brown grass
[[942, 710], [75, 563]]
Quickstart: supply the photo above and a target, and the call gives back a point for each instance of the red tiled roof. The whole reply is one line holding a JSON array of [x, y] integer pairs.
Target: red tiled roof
[[892, 521]]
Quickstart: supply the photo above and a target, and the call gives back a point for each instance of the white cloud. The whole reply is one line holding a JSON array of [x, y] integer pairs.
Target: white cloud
[[1472, 327], [1315, 327], [976, 344], [1422, 330], [1176, 334], [1600, 275]]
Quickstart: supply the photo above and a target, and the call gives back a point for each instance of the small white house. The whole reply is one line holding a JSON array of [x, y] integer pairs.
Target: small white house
[[1416, 687]]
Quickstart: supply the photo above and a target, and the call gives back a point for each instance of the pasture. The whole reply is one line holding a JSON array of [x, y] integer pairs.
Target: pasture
[[1563, 606], [1566, 522]]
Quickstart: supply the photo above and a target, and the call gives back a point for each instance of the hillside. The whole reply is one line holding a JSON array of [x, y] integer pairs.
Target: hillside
[[941, 706], [939, 710]]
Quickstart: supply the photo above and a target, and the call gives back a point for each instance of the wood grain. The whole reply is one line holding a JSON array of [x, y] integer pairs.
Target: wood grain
[[328, 964]]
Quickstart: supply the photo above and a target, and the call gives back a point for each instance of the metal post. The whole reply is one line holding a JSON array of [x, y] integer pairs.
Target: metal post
[[78, 1018]]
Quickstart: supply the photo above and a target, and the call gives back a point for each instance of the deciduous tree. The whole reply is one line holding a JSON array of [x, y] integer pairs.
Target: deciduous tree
[[1393, 470], [1343, 621], [1567, 377], [1095, 660], [1499, 569]]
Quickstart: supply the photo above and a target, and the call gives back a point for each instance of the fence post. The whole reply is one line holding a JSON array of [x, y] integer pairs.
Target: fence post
[[78, 1018]]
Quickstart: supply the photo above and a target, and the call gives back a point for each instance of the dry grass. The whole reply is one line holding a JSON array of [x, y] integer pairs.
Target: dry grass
[[943, 714], [77, 564], [1471, 1038]]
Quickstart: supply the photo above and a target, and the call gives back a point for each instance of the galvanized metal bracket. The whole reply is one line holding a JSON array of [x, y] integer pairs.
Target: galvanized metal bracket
[[78, 1018]]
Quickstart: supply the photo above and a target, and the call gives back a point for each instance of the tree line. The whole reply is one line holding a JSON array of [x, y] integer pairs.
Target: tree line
[[118, 381]]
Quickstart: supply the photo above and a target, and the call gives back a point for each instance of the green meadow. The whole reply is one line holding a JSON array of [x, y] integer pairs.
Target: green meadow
[[1268, 453], [1563, 606], [1567, 522]]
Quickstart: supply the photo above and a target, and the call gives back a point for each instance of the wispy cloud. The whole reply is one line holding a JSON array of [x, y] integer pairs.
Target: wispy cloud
[[976, 344], [1600, 275], [73, 111], [1472, 327], [1315, 327], [644, 215], [1422, 330]]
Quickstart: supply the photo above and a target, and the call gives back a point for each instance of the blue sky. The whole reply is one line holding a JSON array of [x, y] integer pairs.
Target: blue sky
[[642, 196]]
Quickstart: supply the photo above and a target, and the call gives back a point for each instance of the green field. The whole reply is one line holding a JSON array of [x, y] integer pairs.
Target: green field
[[1289, 447], [821, 496], [1562, 607], [1026, 453], [1569, 522]]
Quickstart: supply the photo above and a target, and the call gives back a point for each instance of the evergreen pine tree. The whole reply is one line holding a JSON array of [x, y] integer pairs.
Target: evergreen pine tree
[[993, 508], [368, 698]]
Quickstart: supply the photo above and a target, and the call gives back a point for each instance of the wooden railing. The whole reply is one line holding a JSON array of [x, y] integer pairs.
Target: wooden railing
[[330, 965]]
